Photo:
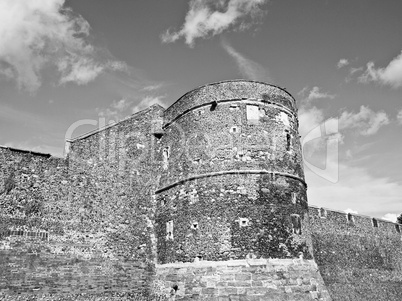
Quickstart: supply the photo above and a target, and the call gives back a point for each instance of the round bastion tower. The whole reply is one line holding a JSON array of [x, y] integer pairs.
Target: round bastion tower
[[232, 182]]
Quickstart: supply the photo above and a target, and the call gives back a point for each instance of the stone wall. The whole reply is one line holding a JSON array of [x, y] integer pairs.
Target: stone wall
[[84, 224], [253, 279], [360, 258], [232, 181]]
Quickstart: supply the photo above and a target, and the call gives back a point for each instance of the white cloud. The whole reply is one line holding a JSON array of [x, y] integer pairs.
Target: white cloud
[[248, 68], [314, 94], [390, 75], [390, 217], [351, 211], [36, 34], [153, 87], [357, 189], [149, 101], [366, 121], [342, 63], [117, 110], [309, 118], [399, 117], [212, 17]]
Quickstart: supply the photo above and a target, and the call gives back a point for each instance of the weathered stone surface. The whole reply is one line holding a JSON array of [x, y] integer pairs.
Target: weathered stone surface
[[217, 176]]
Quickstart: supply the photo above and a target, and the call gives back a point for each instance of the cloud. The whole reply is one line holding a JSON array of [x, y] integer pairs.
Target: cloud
[[366, 121], [119, 109], [351, 211], [154, 87], [212, 17], [390, 217], [315, 93], [390, 75], [309, 118], [399, 117], [38, 34], [149, 101], [248, 68], [342, 63], [357, 189]]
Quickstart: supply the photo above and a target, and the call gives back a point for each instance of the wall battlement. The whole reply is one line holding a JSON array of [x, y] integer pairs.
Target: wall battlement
[[357, 222], [206, 198]]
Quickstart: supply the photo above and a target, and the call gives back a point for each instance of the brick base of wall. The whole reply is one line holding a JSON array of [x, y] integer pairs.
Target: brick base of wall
[[253, 279]]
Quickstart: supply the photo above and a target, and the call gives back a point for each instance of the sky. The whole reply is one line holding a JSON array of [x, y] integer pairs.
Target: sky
[[69, 66]]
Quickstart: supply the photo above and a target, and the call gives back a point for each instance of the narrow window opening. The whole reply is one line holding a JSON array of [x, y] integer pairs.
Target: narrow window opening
[[213, 106], [169, 230], [323, 213], [294, 197], [397, 228], [165, 154], [288, 140], [296, 224], [375, 223], [350, 218]]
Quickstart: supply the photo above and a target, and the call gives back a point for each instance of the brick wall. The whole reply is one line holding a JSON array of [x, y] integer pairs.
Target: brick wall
[[253, 279]]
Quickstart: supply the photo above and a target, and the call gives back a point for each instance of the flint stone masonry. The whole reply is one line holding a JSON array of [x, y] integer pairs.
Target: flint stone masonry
[[205, 200]]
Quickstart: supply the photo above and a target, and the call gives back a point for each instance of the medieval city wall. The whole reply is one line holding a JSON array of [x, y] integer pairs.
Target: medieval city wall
[[359, 258], [83, 224]]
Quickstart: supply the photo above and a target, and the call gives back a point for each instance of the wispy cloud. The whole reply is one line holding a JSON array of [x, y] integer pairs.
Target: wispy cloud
[[342, 63], [247, 67], [366, 121], [149, 101], [119, 109], [357, 189], [36, 34], [211, 17], [153, 87], [315, 93], [391, 75], [399, 117]]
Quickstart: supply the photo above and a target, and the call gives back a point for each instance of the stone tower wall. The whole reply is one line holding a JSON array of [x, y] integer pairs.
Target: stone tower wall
[[232, 181]]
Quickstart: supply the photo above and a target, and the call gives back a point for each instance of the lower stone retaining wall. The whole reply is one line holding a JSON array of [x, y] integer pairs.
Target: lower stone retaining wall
[[252, 279]]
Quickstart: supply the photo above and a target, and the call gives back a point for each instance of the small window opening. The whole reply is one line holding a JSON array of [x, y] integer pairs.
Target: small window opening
[[163, 202], [213, 106], [296, 224], [194, 226], [198, 258], [397, 228], [244, 222], [323, 213], [375, 223]]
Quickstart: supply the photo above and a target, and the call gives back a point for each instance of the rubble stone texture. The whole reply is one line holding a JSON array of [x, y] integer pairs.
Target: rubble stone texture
[[205, 200]]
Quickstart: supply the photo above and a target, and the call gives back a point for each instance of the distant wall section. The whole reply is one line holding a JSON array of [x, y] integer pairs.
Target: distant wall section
[[359, 258]]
